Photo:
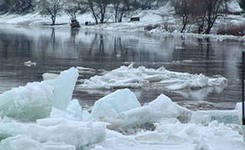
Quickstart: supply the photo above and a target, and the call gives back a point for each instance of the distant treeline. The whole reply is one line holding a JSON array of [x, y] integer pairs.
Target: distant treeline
[[201, 13]]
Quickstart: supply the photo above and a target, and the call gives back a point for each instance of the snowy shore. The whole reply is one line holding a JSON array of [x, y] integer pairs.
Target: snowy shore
[[161, 21], [43, 116]]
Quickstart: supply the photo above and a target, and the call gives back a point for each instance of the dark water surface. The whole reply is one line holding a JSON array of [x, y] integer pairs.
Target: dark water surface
[[58, 49]]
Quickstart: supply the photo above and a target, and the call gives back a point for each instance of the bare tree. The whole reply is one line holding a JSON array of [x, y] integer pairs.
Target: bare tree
[[74, 7], [98, 9], [120, 8], [51, 8], [213, 8], [203, 13], [17, 6], [182, 8]]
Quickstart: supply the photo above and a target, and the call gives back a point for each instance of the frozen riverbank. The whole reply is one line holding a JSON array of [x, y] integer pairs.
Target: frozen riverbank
[[117, 121], [161, 20]]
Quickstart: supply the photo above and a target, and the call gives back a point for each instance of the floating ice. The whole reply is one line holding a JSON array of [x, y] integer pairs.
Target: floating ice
[[173, 135], [35, 100], [73, 112], [222, 116], [113, 104], [75, 109], [27, 103], [30, 63], [63, 85], [21, 142], [49, 76], [129, 77], [161, 108], [74, 133], [85, 70]]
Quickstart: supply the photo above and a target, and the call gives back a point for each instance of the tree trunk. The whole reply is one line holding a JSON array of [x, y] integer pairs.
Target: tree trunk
[[53, 18]]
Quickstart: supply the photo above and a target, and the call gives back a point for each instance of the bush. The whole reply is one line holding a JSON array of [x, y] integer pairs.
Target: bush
[[237, 30]]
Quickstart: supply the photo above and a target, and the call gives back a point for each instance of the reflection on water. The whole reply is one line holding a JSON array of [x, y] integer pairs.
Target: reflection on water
[[58, 49]]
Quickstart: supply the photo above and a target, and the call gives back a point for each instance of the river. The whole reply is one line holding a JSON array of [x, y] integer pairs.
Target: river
[[57, 49]]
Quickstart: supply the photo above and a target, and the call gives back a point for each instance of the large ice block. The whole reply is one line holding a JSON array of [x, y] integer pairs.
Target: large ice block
[[113, 104]]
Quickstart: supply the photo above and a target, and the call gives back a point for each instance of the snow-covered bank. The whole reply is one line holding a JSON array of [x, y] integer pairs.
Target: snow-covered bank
[[162, 20], [141, 77], [161, 124]]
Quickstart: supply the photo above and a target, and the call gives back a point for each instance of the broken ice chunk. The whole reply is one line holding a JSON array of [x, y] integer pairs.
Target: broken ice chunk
[[113, 104], [27, 103], [63, 86]]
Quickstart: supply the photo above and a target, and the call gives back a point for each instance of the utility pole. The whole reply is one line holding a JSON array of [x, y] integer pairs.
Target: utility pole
[[243, 92]]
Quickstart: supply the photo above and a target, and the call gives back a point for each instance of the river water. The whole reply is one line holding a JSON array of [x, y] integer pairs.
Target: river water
[[57, 49]]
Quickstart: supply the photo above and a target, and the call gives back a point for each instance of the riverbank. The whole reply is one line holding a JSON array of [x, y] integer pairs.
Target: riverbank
[[162, 20]]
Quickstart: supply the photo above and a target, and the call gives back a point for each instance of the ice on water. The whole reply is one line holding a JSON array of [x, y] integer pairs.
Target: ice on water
[[27, 103], [141, 77], [63, 86], [35, 100], [113, 104], [78, 134], [22, 142], [60, 123]]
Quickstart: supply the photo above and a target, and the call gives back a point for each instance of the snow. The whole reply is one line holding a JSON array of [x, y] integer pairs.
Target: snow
[[64, 86], [233, 6], [162, 20], [113, 104], [141, 77]]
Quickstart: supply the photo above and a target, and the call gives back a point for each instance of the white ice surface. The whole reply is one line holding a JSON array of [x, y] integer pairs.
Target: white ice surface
[[141, 77], [74, 133], [173, 135], [175, 127], [27, 103], [64, 86], [162, 107], [21, 142], [49, 76], [35, 100], [113, 104]]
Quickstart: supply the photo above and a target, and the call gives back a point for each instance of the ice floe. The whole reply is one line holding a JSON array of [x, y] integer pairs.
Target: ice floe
[[30, 102], [117, 121], [30, 63], [113, 104], [130, 77], [69, 132], [20, 142], [162, 107], [64, 86], [35, 100], [49, 76]]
